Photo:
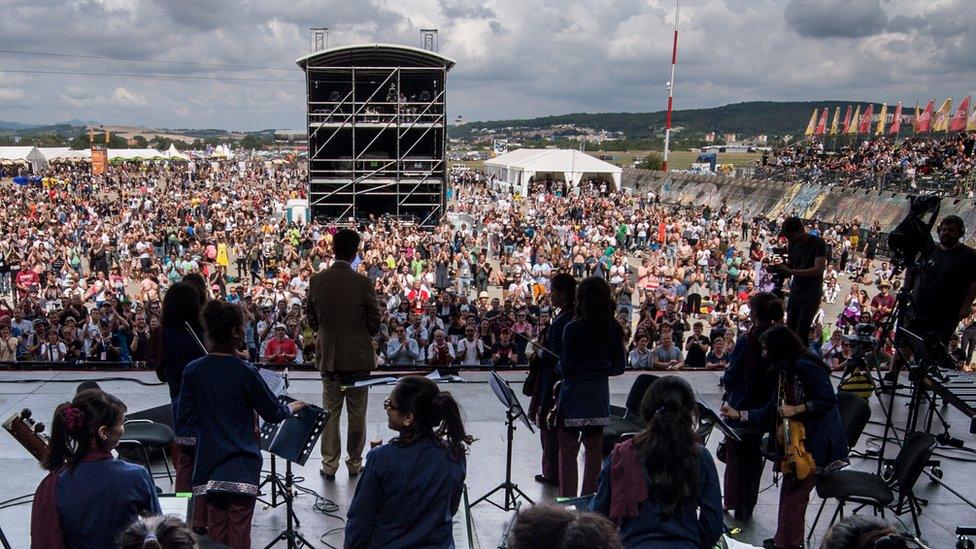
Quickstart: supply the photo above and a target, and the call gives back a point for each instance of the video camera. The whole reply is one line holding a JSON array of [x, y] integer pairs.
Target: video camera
[[780, 257], [862, 340], [913, 236]]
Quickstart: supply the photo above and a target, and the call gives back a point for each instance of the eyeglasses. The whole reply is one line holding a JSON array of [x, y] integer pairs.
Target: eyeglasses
[[388, 404]]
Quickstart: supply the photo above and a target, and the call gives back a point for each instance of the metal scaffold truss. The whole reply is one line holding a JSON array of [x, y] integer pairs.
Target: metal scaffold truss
[[377, 137]]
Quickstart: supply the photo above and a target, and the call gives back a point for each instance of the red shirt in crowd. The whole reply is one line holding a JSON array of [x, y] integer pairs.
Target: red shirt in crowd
[[285, 346]]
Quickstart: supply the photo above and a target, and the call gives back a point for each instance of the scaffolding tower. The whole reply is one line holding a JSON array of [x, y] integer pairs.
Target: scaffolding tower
[[377, 133]]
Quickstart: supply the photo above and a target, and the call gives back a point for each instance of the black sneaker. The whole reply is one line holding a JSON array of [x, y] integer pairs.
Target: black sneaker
[[544, 480]]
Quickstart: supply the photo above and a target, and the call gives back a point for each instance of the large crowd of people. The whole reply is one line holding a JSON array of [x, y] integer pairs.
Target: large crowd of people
[[86, 260], [147, 262], [881, 163]]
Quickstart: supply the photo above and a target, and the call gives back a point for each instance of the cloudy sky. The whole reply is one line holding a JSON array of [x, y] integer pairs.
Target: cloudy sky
[[515, 58]]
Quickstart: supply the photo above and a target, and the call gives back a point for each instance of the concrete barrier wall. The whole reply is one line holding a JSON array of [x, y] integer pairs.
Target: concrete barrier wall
[[754, 197]]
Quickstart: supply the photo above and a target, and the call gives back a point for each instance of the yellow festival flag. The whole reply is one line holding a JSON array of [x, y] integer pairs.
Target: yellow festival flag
[[855, 122], [835, 122], [812, 125], [882, 119], [941, 123]]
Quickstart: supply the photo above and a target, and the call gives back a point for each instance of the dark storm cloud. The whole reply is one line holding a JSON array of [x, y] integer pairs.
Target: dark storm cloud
[[835, 18]]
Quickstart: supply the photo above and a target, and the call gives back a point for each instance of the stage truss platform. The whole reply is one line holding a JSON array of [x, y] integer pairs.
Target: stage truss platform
[[377, 132]]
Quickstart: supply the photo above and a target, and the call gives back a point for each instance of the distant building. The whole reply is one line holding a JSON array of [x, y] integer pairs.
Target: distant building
[[762, 139], [459, 121], [730, 138], [710, 137]]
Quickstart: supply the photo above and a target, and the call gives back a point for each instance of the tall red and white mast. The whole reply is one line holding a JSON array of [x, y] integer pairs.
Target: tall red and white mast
[[674, 61]]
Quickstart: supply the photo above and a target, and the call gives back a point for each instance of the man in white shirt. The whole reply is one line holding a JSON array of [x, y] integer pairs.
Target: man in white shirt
[[440, 352], [471, 348]]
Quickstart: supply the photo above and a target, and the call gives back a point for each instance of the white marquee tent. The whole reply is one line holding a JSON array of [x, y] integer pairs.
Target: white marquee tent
[[24, 155], [517, 167], [135, 154]]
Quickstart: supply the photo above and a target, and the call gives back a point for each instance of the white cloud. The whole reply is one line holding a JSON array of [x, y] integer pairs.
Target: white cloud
[[515, 58], [124, 98]]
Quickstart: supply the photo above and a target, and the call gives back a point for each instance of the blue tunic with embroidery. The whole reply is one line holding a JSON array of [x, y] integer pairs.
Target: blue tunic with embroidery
[[178, 349], [97, 500], [219, 396], [586, 363], [407, 497]]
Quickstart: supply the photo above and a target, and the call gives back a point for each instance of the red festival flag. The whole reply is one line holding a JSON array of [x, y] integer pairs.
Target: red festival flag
[[958, 122], [924, 122], [822, 125], [865, 124], [847, 120], [896, 122]]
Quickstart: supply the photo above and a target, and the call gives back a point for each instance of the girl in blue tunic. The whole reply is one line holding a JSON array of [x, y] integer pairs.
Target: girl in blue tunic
[[411, 488], [89, 497], [593, 350], [219, 397]]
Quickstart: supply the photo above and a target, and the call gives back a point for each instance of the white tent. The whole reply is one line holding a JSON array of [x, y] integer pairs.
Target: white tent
[[173, 154], [26, 155], [53, 153], [134, 154], [517, 167]]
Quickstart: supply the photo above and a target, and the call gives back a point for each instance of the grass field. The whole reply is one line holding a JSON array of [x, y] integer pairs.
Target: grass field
[[679, 160]]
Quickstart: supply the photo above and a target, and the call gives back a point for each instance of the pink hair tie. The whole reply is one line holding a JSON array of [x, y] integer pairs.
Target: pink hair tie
[[74, 418]]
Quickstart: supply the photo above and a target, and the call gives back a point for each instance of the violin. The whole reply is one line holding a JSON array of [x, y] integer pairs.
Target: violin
[[796, 459]]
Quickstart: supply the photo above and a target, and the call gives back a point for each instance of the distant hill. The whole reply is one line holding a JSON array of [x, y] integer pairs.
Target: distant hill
[[747, 119], [4, 125]]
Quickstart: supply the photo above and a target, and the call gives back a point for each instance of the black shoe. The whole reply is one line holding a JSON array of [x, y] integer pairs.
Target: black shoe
[[742, 515], [327, 475], [768, 544], [544, 480], [354, 474]]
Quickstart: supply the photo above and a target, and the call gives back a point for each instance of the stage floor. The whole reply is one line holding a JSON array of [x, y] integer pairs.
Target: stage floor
[[486, 463]]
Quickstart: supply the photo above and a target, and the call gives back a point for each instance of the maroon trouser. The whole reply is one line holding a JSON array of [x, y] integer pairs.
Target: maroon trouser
[[743, 472], [183, 457], [794, 495], [550, 452], [229, 519], [569, 445]]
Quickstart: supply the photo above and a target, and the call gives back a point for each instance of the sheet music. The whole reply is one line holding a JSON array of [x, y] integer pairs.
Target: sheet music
[[274, 381]]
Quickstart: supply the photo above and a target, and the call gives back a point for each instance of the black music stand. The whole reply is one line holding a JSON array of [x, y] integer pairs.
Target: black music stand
[[513, 411], [278, 384], [293, 440]]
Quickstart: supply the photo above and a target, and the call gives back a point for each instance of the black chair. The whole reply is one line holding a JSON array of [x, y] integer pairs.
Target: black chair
[[145, 435], [627, 419], [855, 412], [865, 488]]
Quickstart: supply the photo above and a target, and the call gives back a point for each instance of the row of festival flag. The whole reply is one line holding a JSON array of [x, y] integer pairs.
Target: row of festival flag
[[924, 121]]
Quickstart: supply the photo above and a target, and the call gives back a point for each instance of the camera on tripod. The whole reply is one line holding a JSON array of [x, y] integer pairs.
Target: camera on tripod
[[780, 256], [913, 236], [862, 340]]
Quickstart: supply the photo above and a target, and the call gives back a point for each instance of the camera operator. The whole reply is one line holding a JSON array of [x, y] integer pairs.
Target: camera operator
[[805, 264], [944, 289]]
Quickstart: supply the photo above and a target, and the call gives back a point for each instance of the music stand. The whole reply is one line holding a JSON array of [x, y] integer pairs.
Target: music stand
[[293, 440], [513, 411], [277, 384]]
